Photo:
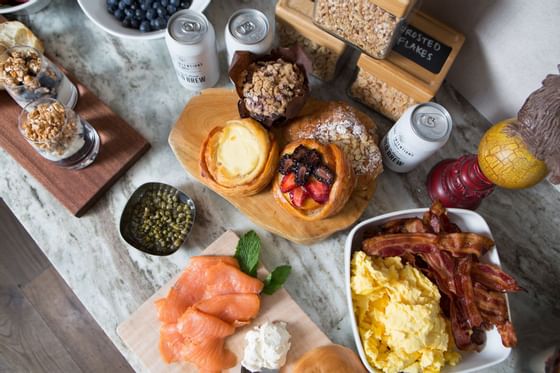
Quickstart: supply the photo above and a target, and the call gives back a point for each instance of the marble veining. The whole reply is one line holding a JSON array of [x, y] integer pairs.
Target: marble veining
[[136, 79]]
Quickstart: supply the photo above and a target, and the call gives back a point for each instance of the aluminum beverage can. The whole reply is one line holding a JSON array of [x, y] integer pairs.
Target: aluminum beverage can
[[248, 30], [191, 42], [419, 133]]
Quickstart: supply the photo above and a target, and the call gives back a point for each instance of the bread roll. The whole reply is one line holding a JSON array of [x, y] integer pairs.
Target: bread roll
[[329, 359]]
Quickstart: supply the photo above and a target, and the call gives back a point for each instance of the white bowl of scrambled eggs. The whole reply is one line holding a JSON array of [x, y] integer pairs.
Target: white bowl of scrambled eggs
[[411, 317]]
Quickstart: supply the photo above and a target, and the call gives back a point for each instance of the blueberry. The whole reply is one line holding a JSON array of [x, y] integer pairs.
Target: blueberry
[[134, 6], [134, 23], [151, 14], [175, 3], [139, 13], [112, 3], [119, 14], [160, 23], [145, 26], [111, 9], [128, 2], [164, 3], [156, 5], [171, 9], [185, 4], [153, 23], [161, 12], [126, 22], [128, 12]]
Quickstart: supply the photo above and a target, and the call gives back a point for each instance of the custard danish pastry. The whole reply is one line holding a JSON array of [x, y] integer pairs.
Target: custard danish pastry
[[239, 159]]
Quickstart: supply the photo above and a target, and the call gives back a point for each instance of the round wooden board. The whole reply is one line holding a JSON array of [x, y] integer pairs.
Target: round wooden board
[[213, 108]]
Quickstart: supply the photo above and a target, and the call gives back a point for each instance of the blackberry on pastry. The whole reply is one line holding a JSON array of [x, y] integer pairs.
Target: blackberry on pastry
[[314, 181]]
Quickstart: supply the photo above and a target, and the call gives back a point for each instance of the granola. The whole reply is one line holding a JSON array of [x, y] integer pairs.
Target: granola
[[269, 87], [380, 96], [360, 22], [49, 127], [323, 59], [21, 67]]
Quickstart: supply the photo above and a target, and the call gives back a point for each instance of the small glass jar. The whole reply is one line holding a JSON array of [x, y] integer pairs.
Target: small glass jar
[[28, 75], [58, 134], [362, 23]]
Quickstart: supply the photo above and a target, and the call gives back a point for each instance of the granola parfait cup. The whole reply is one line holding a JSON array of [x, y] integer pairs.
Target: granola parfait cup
[[28, 75], [58, 134]]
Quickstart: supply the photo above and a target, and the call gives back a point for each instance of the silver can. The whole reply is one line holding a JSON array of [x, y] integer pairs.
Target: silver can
[[248, 30], [419, 133], [191, 41]]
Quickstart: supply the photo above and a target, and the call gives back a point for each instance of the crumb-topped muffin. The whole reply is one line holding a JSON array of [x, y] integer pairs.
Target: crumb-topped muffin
[[271, 88], [270, 85]]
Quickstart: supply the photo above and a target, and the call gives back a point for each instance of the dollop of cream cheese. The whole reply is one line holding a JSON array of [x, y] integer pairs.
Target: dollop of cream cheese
[[266, 346]]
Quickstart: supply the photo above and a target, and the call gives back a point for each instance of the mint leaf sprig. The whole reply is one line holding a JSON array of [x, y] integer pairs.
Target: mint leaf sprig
[[248, 253]]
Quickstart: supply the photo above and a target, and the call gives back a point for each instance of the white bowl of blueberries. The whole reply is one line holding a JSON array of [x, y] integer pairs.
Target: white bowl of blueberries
[[136, 19]]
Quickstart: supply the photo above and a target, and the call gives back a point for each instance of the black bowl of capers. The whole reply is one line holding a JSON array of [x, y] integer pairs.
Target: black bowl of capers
[[157, 219]]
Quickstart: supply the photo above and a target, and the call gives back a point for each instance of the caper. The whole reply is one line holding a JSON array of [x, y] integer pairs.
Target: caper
[[160, 220]]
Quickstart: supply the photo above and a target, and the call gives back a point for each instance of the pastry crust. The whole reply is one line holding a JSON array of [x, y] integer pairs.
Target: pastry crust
[[340, 191], [222, 178]]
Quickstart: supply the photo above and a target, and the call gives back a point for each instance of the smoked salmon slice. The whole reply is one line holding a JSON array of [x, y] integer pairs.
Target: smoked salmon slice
[[210, 355], [190, 287], [225, 279], [198, 326], [171, 343], [238, 309]]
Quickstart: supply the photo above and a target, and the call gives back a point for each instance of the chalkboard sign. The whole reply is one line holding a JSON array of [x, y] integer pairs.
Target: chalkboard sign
[[421, 48]]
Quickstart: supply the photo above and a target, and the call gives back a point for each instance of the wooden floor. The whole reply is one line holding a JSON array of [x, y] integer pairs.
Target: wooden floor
[[43, 326]]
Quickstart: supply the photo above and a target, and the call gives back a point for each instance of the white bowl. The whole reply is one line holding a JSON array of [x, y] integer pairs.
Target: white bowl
[[96, 10], [469, 221], [32, 6]]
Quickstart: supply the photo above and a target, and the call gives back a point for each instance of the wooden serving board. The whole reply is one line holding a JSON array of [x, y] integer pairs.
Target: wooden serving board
[[213, 108], [121, 146], [140, 332]]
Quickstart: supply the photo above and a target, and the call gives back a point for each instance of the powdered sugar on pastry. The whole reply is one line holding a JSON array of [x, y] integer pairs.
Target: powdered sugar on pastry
[[345, 130]]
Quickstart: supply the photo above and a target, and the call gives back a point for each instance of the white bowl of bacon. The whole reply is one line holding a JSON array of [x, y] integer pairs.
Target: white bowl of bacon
[[485, 270]]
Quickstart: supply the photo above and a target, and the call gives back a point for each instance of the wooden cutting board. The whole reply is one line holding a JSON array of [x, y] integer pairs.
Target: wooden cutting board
[[213, 108], [140, 332]]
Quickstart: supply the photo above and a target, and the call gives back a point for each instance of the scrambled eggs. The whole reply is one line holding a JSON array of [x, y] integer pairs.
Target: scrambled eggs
[[399, 318]]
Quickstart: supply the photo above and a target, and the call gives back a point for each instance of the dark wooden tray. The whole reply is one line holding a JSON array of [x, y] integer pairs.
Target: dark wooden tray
[[121, 147]]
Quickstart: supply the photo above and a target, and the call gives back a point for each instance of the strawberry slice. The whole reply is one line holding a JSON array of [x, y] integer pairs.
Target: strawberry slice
[[288, 182], [298, 196], [318, 191]]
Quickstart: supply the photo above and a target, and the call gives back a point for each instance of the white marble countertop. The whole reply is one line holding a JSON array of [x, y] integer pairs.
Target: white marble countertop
[[137, 81]]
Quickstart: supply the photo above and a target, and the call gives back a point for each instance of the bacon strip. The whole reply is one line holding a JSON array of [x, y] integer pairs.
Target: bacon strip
[[412, 225], [436, 218], [509, 338], [397, 244], [462, 332], [465, 243], [400, 243], [493, 308], [494, 278], [492, 305], [442, 266], [465, 292]]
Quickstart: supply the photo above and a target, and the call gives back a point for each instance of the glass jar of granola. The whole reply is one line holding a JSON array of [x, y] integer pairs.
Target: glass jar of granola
[[58, 134], [371, 25], [28, 75]]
